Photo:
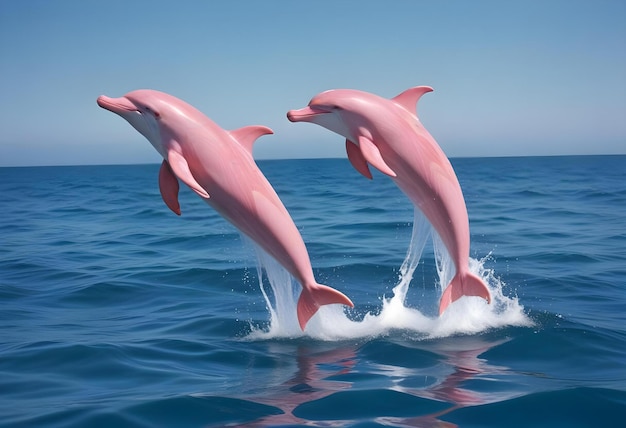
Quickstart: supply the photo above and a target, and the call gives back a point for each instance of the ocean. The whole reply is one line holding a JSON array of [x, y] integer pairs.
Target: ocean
[[114, 312]]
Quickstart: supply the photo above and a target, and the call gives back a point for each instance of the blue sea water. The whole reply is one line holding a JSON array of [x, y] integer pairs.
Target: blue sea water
[[116, 312]]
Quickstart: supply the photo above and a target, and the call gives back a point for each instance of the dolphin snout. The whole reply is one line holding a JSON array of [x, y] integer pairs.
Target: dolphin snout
[[116, 105], [292, 116], [303, 114], [103, 101]]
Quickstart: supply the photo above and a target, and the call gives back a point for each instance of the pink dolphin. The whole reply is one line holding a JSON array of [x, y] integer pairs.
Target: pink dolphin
[[388, 135], [218, 166]]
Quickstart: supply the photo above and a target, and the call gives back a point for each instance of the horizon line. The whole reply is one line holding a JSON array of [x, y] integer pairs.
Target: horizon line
[[313, 158]]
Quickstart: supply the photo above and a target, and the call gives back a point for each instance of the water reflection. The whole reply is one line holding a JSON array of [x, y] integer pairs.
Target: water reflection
[[310, 382], [437, 380], [461, 356]]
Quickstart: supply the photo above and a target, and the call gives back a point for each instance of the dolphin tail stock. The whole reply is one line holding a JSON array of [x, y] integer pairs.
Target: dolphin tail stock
[[317, 295], [464, 284]]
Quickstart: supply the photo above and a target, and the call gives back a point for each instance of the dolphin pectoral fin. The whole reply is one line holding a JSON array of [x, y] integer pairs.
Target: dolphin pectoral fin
[[315, 296], [409, 98], [181, 169], [371, 153], [247, 135], [463, 285], [357, 160], [168, 186]]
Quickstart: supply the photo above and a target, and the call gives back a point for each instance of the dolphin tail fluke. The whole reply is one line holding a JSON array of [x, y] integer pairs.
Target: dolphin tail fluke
[[315, 296], [463, 285]]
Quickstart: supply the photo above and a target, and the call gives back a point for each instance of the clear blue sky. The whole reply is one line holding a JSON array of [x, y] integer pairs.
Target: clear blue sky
[[510, 77]]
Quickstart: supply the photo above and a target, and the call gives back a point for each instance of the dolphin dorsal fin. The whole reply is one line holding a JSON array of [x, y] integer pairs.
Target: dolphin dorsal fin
[[409, 98], [247, 135]]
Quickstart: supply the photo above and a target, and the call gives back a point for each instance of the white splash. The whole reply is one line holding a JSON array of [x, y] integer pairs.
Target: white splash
[[468, 315]]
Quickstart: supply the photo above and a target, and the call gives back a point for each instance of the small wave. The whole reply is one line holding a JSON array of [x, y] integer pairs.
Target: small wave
[[549, 408]]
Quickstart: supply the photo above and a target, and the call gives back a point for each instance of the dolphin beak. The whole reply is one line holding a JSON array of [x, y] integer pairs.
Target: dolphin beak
[[305, 114], [116, 105]]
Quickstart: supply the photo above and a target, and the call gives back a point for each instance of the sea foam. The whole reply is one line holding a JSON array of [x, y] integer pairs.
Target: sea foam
[[468, 315]]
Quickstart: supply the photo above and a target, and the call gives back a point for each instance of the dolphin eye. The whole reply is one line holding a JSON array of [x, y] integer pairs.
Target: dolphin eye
[[154, 113]]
